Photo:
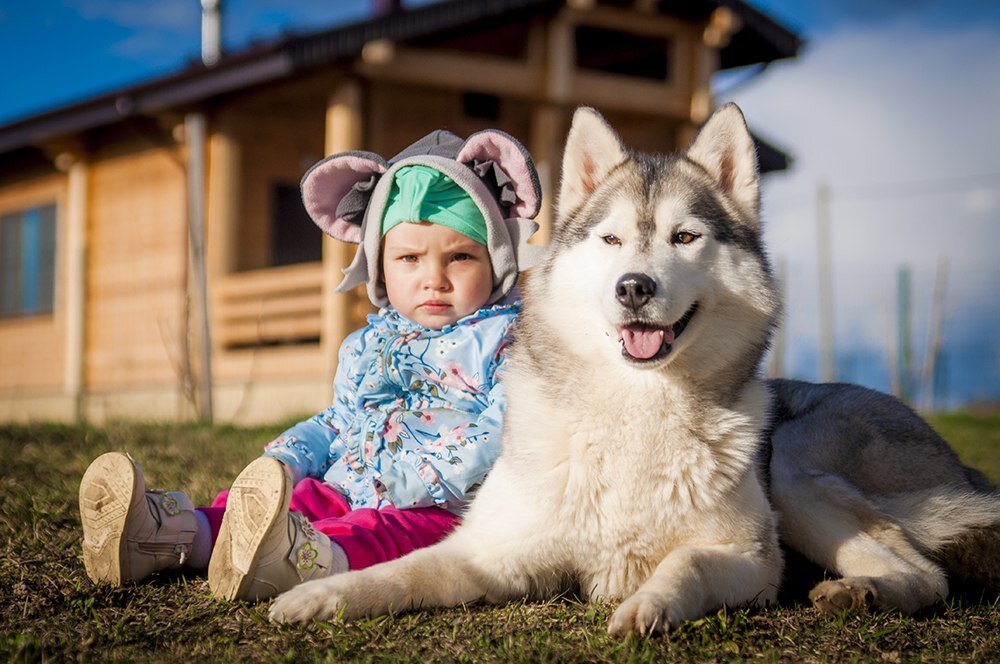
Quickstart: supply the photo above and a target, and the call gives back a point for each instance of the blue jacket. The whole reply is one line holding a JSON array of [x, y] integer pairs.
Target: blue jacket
[[416, 416]]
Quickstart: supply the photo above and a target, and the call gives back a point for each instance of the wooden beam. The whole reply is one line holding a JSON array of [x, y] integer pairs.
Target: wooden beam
[[75, 280], [254, 308], [560, 60], [449, 70], [344, 131], [704, 63], [616, 93], [270, 281], [224, 188], [547, 130], [251, 332], [658, 25]]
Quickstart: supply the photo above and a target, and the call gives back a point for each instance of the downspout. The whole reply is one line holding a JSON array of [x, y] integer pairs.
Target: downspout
[[211, 31], [194, 132]]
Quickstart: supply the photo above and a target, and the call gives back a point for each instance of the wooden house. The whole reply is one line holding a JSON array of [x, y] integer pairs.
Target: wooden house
[[155, 259]]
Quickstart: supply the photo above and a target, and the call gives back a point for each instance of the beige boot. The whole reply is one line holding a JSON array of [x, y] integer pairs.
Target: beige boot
[[263, 549], [128, 532]]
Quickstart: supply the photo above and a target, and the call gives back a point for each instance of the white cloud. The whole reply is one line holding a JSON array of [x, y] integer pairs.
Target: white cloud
[[893, 118], [981, 202]]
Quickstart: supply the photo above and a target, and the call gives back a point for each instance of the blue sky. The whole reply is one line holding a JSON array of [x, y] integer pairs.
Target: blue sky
[[892, 103]]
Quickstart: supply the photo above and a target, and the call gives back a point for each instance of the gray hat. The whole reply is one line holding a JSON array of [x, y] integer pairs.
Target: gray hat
[[346, 195]]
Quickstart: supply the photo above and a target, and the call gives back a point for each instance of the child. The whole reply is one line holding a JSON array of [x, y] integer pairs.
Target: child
[[415, 423]]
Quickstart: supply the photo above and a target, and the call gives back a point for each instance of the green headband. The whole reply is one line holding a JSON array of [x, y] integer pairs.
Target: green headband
[[422, 193]]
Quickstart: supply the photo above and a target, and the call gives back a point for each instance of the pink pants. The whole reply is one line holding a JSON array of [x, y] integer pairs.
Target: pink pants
[[368, 536]]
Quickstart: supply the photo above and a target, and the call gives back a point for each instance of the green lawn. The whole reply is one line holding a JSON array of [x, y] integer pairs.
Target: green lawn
[[49, 610]]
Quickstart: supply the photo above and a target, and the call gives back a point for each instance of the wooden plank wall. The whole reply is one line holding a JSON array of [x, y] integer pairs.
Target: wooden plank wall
[[32, 348], [136, 271]]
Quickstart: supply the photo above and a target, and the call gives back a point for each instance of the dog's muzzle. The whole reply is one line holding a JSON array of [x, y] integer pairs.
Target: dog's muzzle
[[642, 342], [634, 290]]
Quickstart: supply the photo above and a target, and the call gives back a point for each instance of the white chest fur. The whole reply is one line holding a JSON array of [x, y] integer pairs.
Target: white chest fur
[[617, 491]]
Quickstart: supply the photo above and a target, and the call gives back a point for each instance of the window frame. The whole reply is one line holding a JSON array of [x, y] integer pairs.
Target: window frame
[[37, 298]]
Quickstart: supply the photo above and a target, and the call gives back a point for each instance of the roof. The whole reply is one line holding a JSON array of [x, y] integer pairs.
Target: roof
[[760, 39]]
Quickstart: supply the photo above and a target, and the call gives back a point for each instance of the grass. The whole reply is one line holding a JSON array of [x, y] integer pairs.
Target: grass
[[49, 609]]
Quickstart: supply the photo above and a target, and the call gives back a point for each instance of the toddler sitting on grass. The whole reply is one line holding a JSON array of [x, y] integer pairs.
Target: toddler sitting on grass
[[415, 423]]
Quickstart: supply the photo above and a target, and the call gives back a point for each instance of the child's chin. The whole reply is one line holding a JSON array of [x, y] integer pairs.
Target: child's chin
[[434, 321]]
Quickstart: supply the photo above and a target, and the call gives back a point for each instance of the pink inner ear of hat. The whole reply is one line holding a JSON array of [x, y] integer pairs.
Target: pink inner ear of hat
[[327, 184], [486, 145]]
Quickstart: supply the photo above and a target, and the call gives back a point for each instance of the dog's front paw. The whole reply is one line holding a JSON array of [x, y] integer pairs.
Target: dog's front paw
[[313, 600], [854, 594], [644, 613]]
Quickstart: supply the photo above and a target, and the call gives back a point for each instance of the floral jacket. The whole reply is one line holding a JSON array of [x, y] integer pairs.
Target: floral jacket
[[416, 416]]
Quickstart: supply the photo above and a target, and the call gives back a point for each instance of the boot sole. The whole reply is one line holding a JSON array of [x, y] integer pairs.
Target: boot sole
[[257, 498], [106, 492]]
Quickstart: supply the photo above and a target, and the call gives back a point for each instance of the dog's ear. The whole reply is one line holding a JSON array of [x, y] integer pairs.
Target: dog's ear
[[335, 192], [725, 149], [593, 149]]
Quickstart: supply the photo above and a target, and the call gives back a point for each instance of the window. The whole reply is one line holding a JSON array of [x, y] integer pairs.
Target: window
[[616, 52], [480, 106], [27, 261], [294, 236]]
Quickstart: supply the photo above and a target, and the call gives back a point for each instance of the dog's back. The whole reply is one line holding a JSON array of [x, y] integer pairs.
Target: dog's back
[[891, 487]]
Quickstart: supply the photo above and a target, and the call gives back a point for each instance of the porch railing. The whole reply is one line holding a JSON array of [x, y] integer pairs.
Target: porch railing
[[273, 306]]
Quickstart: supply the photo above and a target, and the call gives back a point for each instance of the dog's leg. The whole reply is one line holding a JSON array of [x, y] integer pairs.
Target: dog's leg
[[446, 574], [828, 520], [692, 581], [469, 565]]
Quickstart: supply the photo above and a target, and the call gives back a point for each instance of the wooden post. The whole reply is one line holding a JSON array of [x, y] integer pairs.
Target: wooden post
[[703, 55], [546, 132], [825, 268], [344, 131], [934, 344], [194, 130], [223, 203], [903, 364], [76, 281]]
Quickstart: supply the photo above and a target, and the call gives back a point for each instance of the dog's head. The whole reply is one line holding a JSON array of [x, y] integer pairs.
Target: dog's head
[[657, 260]]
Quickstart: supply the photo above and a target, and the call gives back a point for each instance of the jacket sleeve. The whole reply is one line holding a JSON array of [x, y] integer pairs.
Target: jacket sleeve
[[422, 476], [307, 447]]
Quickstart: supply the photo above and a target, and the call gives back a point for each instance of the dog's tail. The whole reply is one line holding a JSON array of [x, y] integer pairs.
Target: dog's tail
[[959, 527]]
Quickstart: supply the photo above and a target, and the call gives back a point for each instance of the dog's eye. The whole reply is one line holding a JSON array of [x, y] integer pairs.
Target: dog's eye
[[612, 240], [684, 237]]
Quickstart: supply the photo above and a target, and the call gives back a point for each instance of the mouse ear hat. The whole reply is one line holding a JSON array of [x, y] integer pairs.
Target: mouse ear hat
[[346, 195]]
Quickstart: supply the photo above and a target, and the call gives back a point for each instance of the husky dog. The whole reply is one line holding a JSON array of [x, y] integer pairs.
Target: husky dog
[[637, 442]]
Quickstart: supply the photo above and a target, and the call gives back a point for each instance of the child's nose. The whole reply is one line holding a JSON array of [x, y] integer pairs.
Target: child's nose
[[436, 278]]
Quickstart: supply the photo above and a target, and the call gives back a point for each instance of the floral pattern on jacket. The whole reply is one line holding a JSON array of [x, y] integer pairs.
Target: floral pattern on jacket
[[416, 416]]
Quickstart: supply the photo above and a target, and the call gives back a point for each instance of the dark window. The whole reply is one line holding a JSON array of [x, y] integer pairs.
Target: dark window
[[480, 106], [27, 261], [294, 236], [616, 52]]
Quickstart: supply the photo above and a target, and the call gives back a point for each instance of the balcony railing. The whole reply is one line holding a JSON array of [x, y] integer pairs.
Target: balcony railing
[[273, 306]]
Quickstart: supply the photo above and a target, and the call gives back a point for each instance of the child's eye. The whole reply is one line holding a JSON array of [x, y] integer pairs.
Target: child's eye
[[463, 257], [613, 240], [684, 237], [408, 258]]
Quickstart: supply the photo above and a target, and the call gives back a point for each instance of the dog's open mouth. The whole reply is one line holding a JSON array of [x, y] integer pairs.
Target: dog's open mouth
[[642, 342]]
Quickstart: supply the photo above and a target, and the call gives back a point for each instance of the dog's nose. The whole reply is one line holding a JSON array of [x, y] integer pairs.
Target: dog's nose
[[634, 289]]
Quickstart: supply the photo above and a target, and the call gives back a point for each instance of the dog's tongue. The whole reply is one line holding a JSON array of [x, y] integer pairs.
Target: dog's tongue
[[645, 343]]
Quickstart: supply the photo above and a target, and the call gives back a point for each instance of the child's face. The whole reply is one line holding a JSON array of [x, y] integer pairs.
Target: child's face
[[434, 275]]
